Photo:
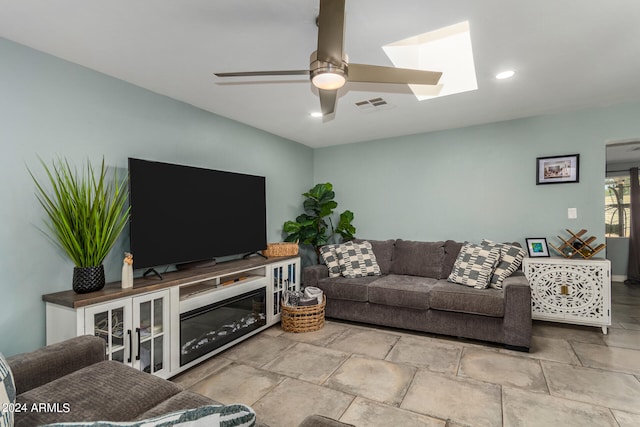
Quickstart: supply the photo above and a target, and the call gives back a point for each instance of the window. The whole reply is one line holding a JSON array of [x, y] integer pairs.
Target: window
[[617, 206]]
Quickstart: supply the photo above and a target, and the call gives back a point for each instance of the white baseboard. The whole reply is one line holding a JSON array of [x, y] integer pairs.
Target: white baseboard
[[618, 278]]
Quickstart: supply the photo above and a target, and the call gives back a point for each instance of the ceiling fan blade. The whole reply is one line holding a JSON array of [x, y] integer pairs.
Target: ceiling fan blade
[[264, 73], [331, 31], [378, 74], [328, 101]]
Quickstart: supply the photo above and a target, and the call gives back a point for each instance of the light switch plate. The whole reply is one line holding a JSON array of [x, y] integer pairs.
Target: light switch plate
[[572, 213]]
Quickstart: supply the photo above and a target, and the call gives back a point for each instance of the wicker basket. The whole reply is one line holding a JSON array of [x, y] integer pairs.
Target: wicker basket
[[281, 249], [303, 319]]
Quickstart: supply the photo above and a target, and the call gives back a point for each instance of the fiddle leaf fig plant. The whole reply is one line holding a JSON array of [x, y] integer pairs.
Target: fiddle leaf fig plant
[[315, 227]]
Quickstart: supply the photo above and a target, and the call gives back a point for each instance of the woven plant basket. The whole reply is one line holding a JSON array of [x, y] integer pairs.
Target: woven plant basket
[[303, 319], [281, 249]]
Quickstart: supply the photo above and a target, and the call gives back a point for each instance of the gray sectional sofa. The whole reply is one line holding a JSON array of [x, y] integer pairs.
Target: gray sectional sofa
[[75, 374], [79, 385], [413, 293]]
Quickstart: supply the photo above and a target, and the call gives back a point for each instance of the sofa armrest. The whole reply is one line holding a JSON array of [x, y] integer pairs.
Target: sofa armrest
[[516, 278], [312, 274], [31, 370], [517, 310]]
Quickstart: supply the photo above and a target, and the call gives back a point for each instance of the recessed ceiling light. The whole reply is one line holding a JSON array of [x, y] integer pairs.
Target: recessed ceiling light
[[505, 74], [316, 114]]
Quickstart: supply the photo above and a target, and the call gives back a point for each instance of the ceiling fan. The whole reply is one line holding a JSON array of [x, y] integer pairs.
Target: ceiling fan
[[329, 69]]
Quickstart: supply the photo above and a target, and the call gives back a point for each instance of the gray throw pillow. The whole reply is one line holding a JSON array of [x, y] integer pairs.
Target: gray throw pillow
[[474, 265], [7, 393], [511, 257], [205, 416], [330, 259], [357, 260], [383, 250]]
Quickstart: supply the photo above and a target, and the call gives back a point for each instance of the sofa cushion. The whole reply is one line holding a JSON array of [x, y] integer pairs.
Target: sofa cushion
[[448, 296], [402, 291], [418, 258], [236, 415], [451, 251], [127, 392], [357, 260], [474, 265], [384, 252], [511, 257], [178, 402], [347, 289], [7, 393], [330, 259]]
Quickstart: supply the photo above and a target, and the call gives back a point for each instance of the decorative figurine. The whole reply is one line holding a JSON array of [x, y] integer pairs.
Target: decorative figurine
[[127, 271]]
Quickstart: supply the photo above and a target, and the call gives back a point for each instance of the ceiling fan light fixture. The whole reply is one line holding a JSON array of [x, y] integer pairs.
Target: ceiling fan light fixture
[[329, 80], [326, 75], [329, 64]]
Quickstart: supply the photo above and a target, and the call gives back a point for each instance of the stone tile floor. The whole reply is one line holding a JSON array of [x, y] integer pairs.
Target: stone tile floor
[[367, 376]]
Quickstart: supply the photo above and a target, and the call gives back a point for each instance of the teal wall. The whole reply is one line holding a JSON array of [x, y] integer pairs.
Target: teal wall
[[49, 108], [463, 184], [618, 253], [477, 182]]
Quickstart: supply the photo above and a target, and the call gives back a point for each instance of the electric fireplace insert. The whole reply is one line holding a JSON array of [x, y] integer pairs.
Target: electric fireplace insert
[[210, 327]]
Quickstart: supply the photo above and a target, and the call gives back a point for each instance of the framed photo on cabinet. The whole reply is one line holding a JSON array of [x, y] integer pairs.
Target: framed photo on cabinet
[[537, 247]]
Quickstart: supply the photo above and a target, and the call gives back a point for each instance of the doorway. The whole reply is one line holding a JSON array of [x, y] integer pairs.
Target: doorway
[[621, 155]]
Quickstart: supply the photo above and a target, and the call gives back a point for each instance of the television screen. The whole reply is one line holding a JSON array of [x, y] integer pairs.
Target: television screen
[[182, 214]]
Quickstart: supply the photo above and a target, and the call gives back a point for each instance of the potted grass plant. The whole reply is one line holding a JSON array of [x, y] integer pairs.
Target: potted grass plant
[[86, 212]]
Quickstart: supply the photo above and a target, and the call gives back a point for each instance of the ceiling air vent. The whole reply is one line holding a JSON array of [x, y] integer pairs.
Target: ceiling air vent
[[373, 104]]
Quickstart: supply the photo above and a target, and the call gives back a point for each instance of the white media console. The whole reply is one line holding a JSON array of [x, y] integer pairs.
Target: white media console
[[166, 326]]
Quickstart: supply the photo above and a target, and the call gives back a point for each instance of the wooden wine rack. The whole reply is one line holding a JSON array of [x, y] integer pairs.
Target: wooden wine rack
[[576, 245]]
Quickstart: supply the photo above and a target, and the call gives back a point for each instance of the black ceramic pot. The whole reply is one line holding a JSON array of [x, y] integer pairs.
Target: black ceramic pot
[[88, 279]]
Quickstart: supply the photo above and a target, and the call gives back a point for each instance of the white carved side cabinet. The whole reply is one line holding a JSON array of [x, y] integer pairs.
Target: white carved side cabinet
[[570, 290]]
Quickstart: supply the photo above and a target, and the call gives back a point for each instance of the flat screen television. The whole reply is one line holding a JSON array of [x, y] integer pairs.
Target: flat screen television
[[184, 214]]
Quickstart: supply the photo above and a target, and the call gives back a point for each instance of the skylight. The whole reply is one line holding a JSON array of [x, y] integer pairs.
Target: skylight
[[448, 50]]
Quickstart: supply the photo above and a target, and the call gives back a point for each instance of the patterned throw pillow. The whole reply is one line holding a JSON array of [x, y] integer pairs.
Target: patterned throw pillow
[[357, 260], [7, 393], [330, 258], [510, 259], [235, 415], [474, 265]]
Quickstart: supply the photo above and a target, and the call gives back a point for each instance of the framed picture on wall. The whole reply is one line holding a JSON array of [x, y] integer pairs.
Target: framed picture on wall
[[558, 169], [537, 247]]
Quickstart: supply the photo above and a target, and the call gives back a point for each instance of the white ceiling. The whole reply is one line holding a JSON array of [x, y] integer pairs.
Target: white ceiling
[[568, 55], [623, 152]]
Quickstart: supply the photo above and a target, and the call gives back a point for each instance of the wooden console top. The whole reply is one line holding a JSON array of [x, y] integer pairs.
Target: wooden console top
[[113, 290]]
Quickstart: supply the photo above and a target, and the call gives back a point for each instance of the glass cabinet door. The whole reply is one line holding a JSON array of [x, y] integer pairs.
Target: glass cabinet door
[[285, 277], [112, 322], [278, 288], [151, 332], [293, 276]]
